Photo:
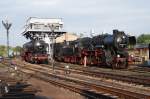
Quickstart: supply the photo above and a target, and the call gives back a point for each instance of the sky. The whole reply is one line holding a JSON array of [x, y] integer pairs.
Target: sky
[[79, 16]]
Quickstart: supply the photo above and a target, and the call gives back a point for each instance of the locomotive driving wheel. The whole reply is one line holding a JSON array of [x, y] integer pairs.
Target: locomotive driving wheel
[[108, 58], [120, 65]]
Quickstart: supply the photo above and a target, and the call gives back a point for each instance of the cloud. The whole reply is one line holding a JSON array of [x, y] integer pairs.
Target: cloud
[[78, 15], [45, 2]]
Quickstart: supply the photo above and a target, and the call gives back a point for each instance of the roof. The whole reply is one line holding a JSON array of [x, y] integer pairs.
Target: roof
[[36, 27], [66, 37], [139, 46], [45, 21]]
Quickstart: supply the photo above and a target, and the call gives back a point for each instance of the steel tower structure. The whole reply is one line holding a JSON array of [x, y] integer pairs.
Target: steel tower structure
[[41, 28]]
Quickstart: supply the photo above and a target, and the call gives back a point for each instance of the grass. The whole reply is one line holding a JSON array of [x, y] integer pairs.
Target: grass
[[2, 65]]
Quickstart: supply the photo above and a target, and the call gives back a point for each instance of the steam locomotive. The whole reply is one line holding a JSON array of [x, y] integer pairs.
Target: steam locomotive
[[35, 52], [102, 50]]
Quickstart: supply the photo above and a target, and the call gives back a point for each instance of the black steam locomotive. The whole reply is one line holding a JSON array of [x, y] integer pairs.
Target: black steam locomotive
[[102, 50], [35, 52]]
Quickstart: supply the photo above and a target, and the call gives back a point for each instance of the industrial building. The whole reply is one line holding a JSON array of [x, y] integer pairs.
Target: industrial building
[[67, 37]]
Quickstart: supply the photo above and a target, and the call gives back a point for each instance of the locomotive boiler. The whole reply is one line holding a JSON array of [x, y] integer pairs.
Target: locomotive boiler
[[35, 51], [101, 50]]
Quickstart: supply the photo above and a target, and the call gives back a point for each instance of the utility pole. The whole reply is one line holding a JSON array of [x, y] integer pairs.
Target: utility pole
[[7, 26], [52, 37]]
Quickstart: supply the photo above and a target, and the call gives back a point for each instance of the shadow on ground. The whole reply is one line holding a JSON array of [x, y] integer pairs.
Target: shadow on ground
[[42, 97]]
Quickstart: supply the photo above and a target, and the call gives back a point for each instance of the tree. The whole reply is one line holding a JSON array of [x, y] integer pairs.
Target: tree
[[143, 39], [3, 50], [17, 50], [75, 34], [81, 35]]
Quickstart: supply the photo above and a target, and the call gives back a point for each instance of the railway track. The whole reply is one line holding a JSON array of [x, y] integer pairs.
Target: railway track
[[96, 89], [131, 76], [68, 84], [134, 78], [135, 75], [13, 89], [140, 69], [133, 68]]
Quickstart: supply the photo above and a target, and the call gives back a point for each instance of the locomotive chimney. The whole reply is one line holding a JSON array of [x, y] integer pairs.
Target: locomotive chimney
[[121, 32], [115, 31]]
